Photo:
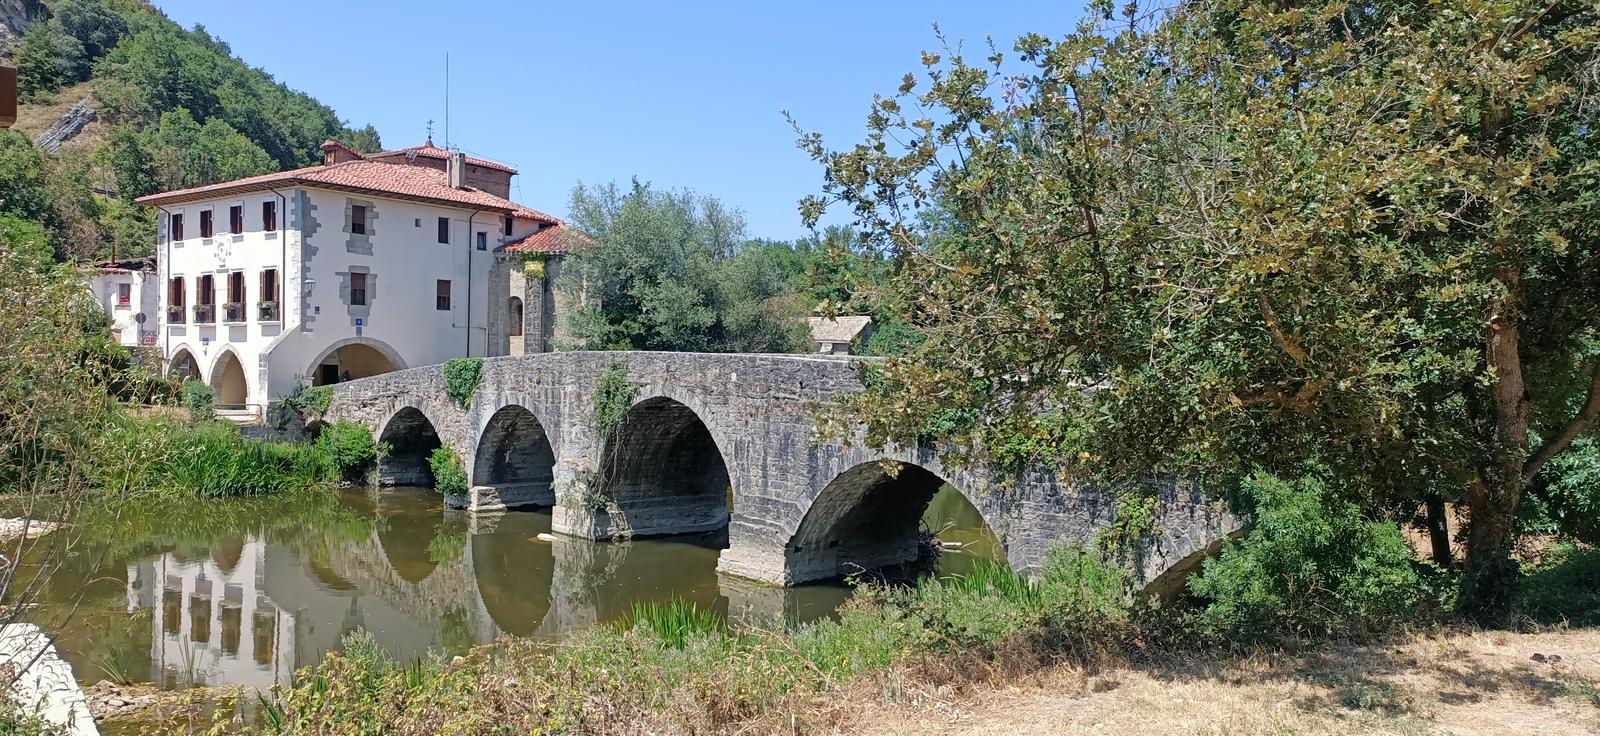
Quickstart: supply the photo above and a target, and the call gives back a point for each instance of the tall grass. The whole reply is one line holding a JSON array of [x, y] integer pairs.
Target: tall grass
[[210, 459], [675, 622]]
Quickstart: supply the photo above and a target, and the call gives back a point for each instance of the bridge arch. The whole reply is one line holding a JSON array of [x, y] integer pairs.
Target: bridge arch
[[663, 472], [411, 437], [866, 518], [229, 382], [360, 357], [515, 457]]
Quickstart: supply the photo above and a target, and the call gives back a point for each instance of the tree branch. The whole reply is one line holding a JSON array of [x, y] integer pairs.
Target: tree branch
[[1289, 344], [1586, 418]]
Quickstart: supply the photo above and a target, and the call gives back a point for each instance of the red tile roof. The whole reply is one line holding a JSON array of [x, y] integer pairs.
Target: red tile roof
[[428, 150], [555, 239], [528, 213], [376, 177]]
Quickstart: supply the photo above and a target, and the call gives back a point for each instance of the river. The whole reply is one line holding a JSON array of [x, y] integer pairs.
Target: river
[[244, 592]]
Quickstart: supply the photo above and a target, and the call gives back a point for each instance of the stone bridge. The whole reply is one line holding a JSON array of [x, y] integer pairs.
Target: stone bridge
[[714, 440]]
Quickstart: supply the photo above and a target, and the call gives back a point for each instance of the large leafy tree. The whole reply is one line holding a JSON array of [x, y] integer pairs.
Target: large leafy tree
[[673, 270], [1240, 234]]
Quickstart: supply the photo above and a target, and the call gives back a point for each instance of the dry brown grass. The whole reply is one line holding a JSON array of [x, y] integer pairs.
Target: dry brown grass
[[1453, 683], [34, 119]]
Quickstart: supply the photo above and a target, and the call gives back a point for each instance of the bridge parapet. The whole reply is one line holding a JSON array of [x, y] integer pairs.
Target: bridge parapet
[[715, 438]]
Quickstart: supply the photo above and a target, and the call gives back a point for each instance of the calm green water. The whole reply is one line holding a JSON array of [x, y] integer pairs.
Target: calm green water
[[243, 592]]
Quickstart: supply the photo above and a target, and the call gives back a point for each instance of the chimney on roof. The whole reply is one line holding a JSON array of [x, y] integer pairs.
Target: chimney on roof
[[456, 170], [334, 152]]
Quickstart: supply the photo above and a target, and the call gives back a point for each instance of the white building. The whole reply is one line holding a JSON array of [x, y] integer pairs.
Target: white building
[[362, 265], [130, 293]]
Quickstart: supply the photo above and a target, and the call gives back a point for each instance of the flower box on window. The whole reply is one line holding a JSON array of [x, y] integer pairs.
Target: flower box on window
[[233, 311], [269, 311], [205, 313]]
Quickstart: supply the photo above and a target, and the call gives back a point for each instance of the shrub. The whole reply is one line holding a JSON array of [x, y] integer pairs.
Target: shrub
[[350, 449], [317, 398], [448, 476], [1310, 567], [613, 394], [1565, 497], [1076, 589], [1563, 587], [461, 378], [306, 400], [198, 399]]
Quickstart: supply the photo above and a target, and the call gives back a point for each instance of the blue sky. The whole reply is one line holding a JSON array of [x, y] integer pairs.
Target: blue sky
[[682, 94]]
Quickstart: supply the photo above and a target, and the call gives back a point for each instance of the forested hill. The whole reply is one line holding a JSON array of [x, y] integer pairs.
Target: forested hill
[[153, 106]]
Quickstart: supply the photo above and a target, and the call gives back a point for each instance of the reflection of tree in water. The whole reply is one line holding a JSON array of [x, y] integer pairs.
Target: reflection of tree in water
[[406, 526], [514, 571], [455, 631], [449, 540]]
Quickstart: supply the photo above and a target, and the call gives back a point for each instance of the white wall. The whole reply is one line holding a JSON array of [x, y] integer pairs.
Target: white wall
[[404, 262], [250, 252], [144, 298]]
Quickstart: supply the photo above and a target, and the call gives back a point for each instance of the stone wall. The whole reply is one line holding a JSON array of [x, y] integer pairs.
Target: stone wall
[[801, 509]]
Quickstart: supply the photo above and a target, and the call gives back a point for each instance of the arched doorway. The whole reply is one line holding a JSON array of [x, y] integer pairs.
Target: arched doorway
[[410, 438], [348, 360], [183, 366], [662, 472], [514, 317], [869, 518], [231, 391], [514, 456]]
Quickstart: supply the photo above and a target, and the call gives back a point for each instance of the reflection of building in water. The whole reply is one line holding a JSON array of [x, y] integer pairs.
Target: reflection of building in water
[[213, 626]]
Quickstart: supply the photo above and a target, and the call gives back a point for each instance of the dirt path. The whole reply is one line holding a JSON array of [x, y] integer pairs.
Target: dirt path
[[1479, 683]]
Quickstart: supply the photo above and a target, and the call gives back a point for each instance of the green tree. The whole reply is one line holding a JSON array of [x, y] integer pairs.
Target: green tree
[[24, 190], [187, 153], [1343, 232], [365, 140], [673, 270], [94, 28], [46, 60], [133, 166]]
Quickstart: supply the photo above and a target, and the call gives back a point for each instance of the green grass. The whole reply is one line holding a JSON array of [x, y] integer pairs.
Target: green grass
[[676, 621], [213, 460]]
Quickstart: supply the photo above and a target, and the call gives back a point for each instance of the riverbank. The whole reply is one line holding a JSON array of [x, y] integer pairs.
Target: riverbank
[[1447, 681], [1453, 682]]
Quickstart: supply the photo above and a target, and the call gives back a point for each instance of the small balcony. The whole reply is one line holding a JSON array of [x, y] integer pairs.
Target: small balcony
[[267, 311], [233, 313], [205, 314], [175, 314]]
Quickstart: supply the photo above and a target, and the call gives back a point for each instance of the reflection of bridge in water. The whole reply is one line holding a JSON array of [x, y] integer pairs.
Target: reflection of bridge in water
[[256, 610]]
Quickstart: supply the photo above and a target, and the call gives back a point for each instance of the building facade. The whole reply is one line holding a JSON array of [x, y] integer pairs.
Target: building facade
[[359, 266], [130, 292]]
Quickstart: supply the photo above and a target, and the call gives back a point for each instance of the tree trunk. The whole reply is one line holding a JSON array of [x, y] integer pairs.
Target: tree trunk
[[1493, 495], [1491, 573], [1439, 532]]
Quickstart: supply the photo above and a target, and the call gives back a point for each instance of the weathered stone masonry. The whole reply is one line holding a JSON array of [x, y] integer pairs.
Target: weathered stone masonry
[[802, 509]]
